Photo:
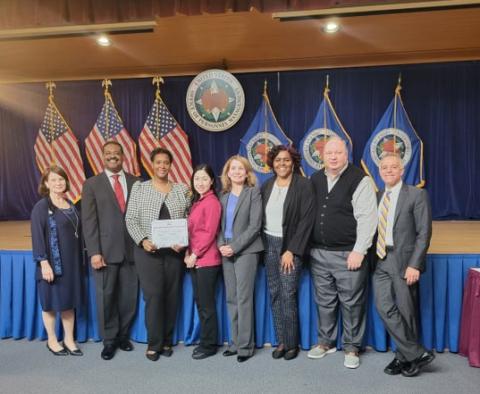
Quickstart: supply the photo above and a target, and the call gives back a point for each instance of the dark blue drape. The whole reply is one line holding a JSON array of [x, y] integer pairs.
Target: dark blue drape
[[441, 291], [443, 101]]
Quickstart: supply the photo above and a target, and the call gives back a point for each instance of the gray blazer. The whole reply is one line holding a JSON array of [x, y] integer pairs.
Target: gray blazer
[[412, 227], [247, 222], [103, 222]]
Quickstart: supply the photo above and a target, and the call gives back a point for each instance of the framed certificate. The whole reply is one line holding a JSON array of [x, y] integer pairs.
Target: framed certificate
[[166, 233]]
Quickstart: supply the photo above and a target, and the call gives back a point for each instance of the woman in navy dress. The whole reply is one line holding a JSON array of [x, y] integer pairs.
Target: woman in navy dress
[[57, 251]]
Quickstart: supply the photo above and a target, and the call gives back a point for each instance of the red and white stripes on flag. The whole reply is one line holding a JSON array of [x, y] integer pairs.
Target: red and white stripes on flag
[[162, 130], [109, 126], [56, 144]]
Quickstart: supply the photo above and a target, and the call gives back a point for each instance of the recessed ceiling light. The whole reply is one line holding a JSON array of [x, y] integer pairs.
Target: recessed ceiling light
[[331, 27], [104, 41]]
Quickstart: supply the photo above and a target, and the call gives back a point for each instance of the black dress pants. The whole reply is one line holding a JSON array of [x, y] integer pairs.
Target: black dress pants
[[204, 281], [160, 276]]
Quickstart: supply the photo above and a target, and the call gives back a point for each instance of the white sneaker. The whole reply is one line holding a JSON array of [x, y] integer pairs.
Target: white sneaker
[[352, 361], [320, 352]]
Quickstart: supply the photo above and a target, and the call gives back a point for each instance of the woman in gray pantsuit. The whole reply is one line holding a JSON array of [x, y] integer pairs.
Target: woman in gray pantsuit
[[239, 243]]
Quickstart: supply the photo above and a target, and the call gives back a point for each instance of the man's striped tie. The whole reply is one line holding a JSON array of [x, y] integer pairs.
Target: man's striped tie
[[382, 226]]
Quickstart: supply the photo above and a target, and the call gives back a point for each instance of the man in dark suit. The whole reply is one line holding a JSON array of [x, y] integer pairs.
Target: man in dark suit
[[404, 232], [104, 200]]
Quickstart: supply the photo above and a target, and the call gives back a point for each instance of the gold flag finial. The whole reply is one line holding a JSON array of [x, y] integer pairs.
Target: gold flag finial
[[399, 84], [265, 84], [157, 80], [50, 85], [327, 86], [106, 83]]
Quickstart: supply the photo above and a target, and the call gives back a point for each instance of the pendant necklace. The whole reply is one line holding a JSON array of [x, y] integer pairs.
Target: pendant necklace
[[77, 220]]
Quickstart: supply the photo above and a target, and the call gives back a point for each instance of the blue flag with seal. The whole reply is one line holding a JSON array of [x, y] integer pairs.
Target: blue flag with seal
[[325, 126], [262, 135], [395, 134]]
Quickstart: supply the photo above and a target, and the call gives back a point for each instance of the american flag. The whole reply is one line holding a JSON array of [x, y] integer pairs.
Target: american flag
[[161, 129], [56, 144], [109, 126]]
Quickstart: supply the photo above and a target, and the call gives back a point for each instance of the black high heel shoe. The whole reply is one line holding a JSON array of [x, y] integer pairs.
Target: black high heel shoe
[[74, 352], [61, 352], [154, 356]]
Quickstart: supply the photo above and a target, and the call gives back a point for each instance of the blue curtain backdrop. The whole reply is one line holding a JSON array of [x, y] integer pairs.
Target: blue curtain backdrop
[[443, 101]]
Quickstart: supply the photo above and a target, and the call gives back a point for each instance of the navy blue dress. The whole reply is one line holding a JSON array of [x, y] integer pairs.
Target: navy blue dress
[[66, 291]]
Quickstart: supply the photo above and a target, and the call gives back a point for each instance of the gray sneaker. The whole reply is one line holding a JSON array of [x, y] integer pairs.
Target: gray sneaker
[[352, 360], [320, 352]]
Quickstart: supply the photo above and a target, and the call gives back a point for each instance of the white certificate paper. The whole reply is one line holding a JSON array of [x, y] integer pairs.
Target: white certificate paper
[[166, 233]]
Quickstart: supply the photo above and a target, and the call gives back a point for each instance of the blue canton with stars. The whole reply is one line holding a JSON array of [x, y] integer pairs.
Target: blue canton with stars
[[53, 125], [159, 115], [115, 124]]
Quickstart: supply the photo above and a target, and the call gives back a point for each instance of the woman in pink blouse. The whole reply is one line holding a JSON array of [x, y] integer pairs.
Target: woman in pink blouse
[[203, 256]]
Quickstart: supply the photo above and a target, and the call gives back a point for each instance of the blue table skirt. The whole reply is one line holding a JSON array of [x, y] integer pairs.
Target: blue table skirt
[[441, 291]]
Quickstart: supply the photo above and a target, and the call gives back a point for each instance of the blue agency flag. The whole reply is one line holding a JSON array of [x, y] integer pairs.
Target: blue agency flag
[[395, 134], [262, 135], [326, 125]]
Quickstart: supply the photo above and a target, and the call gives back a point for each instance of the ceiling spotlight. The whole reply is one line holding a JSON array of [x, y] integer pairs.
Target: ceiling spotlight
[[331, 27], [104, 41]]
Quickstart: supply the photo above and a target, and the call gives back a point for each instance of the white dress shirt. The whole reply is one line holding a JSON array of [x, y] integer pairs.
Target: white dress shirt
[[121, 178], [394, 193]]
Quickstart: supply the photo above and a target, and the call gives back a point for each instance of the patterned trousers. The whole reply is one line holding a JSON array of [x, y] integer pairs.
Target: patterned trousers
[[283, 290]]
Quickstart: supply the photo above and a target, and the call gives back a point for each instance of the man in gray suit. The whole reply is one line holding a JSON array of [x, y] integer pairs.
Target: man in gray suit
[[404, 232], [104, 199]]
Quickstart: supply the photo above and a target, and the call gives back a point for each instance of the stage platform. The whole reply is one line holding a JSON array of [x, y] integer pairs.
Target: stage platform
[[449, 237]]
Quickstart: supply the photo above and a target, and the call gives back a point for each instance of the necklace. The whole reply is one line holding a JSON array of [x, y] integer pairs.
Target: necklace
[[77, 220]]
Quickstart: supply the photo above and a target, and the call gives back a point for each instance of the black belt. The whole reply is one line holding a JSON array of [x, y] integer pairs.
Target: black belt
[[389, 248]]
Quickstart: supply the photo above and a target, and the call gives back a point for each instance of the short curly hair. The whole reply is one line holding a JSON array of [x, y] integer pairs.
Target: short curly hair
[[296, 158]]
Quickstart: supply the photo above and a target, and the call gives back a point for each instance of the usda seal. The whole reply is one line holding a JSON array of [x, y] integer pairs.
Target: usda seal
[[391, 140], [258, 148], [314, 144], [215, 100]]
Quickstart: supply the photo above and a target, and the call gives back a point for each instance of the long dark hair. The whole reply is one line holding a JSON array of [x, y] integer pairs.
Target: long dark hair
[[210, 173]]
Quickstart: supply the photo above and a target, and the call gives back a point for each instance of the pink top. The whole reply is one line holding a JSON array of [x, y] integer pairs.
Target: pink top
[[203, 226]]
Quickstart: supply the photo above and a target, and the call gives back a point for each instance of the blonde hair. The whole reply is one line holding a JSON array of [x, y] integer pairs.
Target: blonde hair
[[250, 180]]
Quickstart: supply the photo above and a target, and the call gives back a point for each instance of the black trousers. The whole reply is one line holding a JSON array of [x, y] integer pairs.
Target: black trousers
[[116, 287], [160, 276], [204, 281]]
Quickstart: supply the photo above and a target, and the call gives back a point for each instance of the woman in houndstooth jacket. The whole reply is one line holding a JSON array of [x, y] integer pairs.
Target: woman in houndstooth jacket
[[159, 270]]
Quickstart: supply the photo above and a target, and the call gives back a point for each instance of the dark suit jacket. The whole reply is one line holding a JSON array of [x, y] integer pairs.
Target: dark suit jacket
[[103, 222], [412, 227], [247, 222], [298, 213]]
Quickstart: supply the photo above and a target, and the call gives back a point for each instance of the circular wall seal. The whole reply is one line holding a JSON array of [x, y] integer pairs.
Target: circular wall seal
[[391, 140], [257, 149], [215, 100], [313, 146]]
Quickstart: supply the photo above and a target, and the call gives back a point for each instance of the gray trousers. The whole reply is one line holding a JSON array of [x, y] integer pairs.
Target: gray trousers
[[397, 305], [116, 290], [239, 276], [336, 286], [283, 289]]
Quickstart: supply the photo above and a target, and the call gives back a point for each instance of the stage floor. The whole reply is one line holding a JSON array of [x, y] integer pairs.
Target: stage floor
[[449, 237]]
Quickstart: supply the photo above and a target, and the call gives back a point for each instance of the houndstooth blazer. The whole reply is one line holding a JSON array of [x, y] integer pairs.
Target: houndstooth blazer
[[145, 203]]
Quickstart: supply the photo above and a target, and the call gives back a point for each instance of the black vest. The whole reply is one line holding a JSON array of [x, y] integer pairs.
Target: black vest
[[335, 226]]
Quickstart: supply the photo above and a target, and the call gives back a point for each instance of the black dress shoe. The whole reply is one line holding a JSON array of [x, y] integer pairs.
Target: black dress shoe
[[153, 356], [228, 353], [61, 352], [413, 368], [125, 345], [242, 359], [278, 353], [74, 352], [200, 355], [167, 351], [291, 354], [108, 352], [395, 367]]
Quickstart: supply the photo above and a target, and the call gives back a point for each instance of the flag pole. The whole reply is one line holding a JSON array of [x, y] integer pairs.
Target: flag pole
[[325, 97], [265, 131], [106, 83], [397, 94], [50, 86], [157, 80]]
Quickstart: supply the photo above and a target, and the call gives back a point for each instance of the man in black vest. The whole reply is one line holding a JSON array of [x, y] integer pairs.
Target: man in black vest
[[346, 220]]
